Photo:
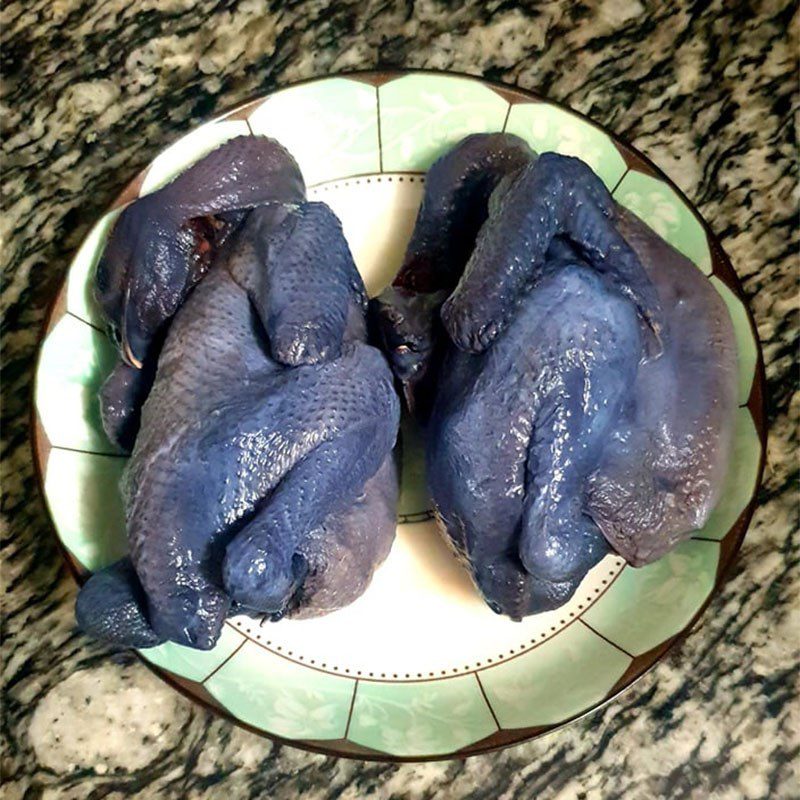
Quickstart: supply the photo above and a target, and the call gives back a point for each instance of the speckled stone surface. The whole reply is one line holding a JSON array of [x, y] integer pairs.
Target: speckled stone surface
[[93, 90]]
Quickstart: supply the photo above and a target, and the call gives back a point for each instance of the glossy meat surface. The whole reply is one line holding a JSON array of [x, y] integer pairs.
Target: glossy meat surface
[[587, 390], [253, 484], [304, 305], [111, 606], [664, 467], [121, 398], [455, 206], [552, 196], [516, 431], [161, 247]]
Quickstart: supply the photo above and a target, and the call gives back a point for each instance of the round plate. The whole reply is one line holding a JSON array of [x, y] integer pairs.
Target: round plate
[[418, 667]]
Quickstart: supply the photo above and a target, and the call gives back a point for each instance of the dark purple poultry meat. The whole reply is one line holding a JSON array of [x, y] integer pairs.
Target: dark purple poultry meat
[[262, 477], [584, 387]]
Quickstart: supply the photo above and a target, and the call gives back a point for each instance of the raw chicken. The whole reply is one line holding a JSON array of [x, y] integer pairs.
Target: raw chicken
[[262, 478], [516, 431], [587, 384]]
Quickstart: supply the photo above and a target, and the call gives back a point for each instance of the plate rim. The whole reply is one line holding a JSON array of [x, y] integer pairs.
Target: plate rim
[[756, 403]]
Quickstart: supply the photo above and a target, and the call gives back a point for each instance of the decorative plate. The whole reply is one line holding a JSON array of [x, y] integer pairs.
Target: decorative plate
[[417, 668]]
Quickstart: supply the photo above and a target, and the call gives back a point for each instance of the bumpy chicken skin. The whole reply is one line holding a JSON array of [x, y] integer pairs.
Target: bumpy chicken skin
[[587, 391], [254, 483], [553, 196]]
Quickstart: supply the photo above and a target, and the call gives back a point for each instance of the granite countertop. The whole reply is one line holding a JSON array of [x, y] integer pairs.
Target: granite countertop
[[93, 90]]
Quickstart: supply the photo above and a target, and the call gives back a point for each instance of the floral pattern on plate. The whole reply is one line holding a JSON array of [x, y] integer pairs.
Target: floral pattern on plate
[[657, 204], [274, 694], [438, 716], [330, 128], [554, 681], [194, 665], [422, 116], [648, 605], [549, 128]]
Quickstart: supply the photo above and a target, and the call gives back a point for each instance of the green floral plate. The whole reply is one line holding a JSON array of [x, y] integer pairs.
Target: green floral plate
[[419, 667]]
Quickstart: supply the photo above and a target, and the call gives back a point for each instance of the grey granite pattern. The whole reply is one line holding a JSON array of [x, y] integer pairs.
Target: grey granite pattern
[[709, 90]]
